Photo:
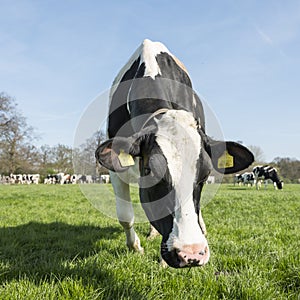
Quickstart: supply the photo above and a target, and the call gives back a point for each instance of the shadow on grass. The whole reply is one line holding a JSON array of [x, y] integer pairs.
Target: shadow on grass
[[240, 188], [57, 251]]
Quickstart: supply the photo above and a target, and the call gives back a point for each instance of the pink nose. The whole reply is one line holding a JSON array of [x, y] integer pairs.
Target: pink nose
[[193, 255]]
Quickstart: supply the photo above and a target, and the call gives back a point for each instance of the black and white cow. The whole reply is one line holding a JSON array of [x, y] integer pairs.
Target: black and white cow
[[156, 122], [238, 179], [266, 173], [246, 178], [31, 178], [16, 178], [53, 178]]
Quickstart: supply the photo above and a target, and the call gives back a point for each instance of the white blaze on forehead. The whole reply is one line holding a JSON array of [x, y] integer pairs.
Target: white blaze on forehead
[[180, 142]]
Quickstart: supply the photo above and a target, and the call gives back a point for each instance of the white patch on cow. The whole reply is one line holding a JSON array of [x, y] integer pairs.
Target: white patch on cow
[[148, 56], [180, 142]]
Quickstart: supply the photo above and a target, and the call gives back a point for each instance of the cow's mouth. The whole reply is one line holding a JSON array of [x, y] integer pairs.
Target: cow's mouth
[[181, 259]]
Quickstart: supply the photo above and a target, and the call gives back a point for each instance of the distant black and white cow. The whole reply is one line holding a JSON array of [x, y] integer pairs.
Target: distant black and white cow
[[246, 178], [16, 178], [53, 178], [238, 179], [104, 178], [50, 179], [266, 173], [156, 122], [33, 178]]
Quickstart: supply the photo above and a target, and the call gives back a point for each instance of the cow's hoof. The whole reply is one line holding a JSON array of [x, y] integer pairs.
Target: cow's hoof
[[163, 263], [139, 250], [136, 247], [153, 233]]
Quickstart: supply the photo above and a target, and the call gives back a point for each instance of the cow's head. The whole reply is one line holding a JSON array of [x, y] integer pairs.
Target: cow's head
[[275, 178], [176, 157]]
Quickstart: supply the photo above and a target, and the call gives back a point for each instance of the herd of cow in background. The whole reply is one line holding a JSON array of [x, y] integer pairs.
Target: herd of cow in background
[[59, 178], [256, 177]]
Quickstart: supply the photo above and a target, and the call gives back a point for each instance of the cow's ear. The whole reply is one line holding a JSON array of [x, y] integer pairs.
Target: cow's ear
[[229, 157], [117, 154]]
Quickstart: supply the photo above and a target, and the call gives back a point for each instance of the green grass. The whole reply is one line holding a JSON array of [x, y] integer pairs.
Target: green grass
[[55, 245]]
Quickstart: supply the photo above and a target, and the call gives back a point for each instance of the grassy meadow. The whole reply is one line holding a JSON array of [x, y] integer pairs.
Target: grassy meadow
[[55, 245]]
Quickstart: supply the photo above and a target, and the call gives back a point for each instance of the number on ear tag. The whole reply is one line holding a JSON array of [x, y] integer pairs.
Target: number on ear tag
[[225, 161], [126, 160]]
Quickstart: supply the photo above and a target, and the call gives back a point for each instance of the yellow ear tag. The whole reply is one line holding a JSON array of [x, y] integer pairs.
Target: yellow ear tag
[[126, 160], [225, 161]]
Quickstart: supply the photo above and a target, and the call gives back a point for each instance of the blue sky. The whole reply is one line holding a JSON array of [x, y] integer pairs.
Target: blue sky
[[243, 58]]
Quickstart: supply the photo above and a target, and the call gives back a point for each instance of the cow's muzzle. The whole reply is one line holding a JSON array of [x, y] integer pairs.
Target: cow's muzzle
[[193, 257], [188, 256]]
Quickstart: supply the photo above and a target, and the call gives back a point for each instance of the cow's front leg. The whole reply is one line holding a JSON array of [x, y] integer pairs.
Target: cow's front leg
[[125, 212]]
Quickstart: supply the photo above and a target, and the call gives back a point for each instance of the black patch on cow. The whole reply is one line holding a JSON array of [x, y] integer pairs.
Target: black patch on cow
[[118, 112], [147, 96], [178, 88], [160, 214], [171, 70], [141, 71]]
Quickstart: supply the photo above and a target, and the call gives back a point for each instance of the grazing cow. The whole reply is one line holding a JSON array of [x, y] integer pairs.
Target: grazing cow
[[65, 179], [238, 179], [89, 179], [33, 178], [266, 173], [82, 179], [245, 178], [59, 178], [23, 178], [54, 178], [49, 179], [16, 178], [248, 178], [156, 123], [74, 179], [104, 178]]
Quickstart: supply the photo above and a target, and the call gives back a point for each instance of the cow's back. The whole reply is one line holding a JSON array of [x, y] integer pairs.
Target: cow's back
[[152, 79]]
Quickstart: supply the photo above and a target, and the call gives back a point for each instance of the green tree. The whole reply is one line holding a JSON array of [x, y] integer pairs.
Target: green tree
[[258, 154], [16, 138], [62, 159], [289, 168], [84, 160]]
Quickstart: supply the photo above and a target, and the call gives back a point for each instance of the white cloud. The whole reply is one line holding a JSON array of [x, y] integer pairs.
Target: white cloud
[[266, 38]]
